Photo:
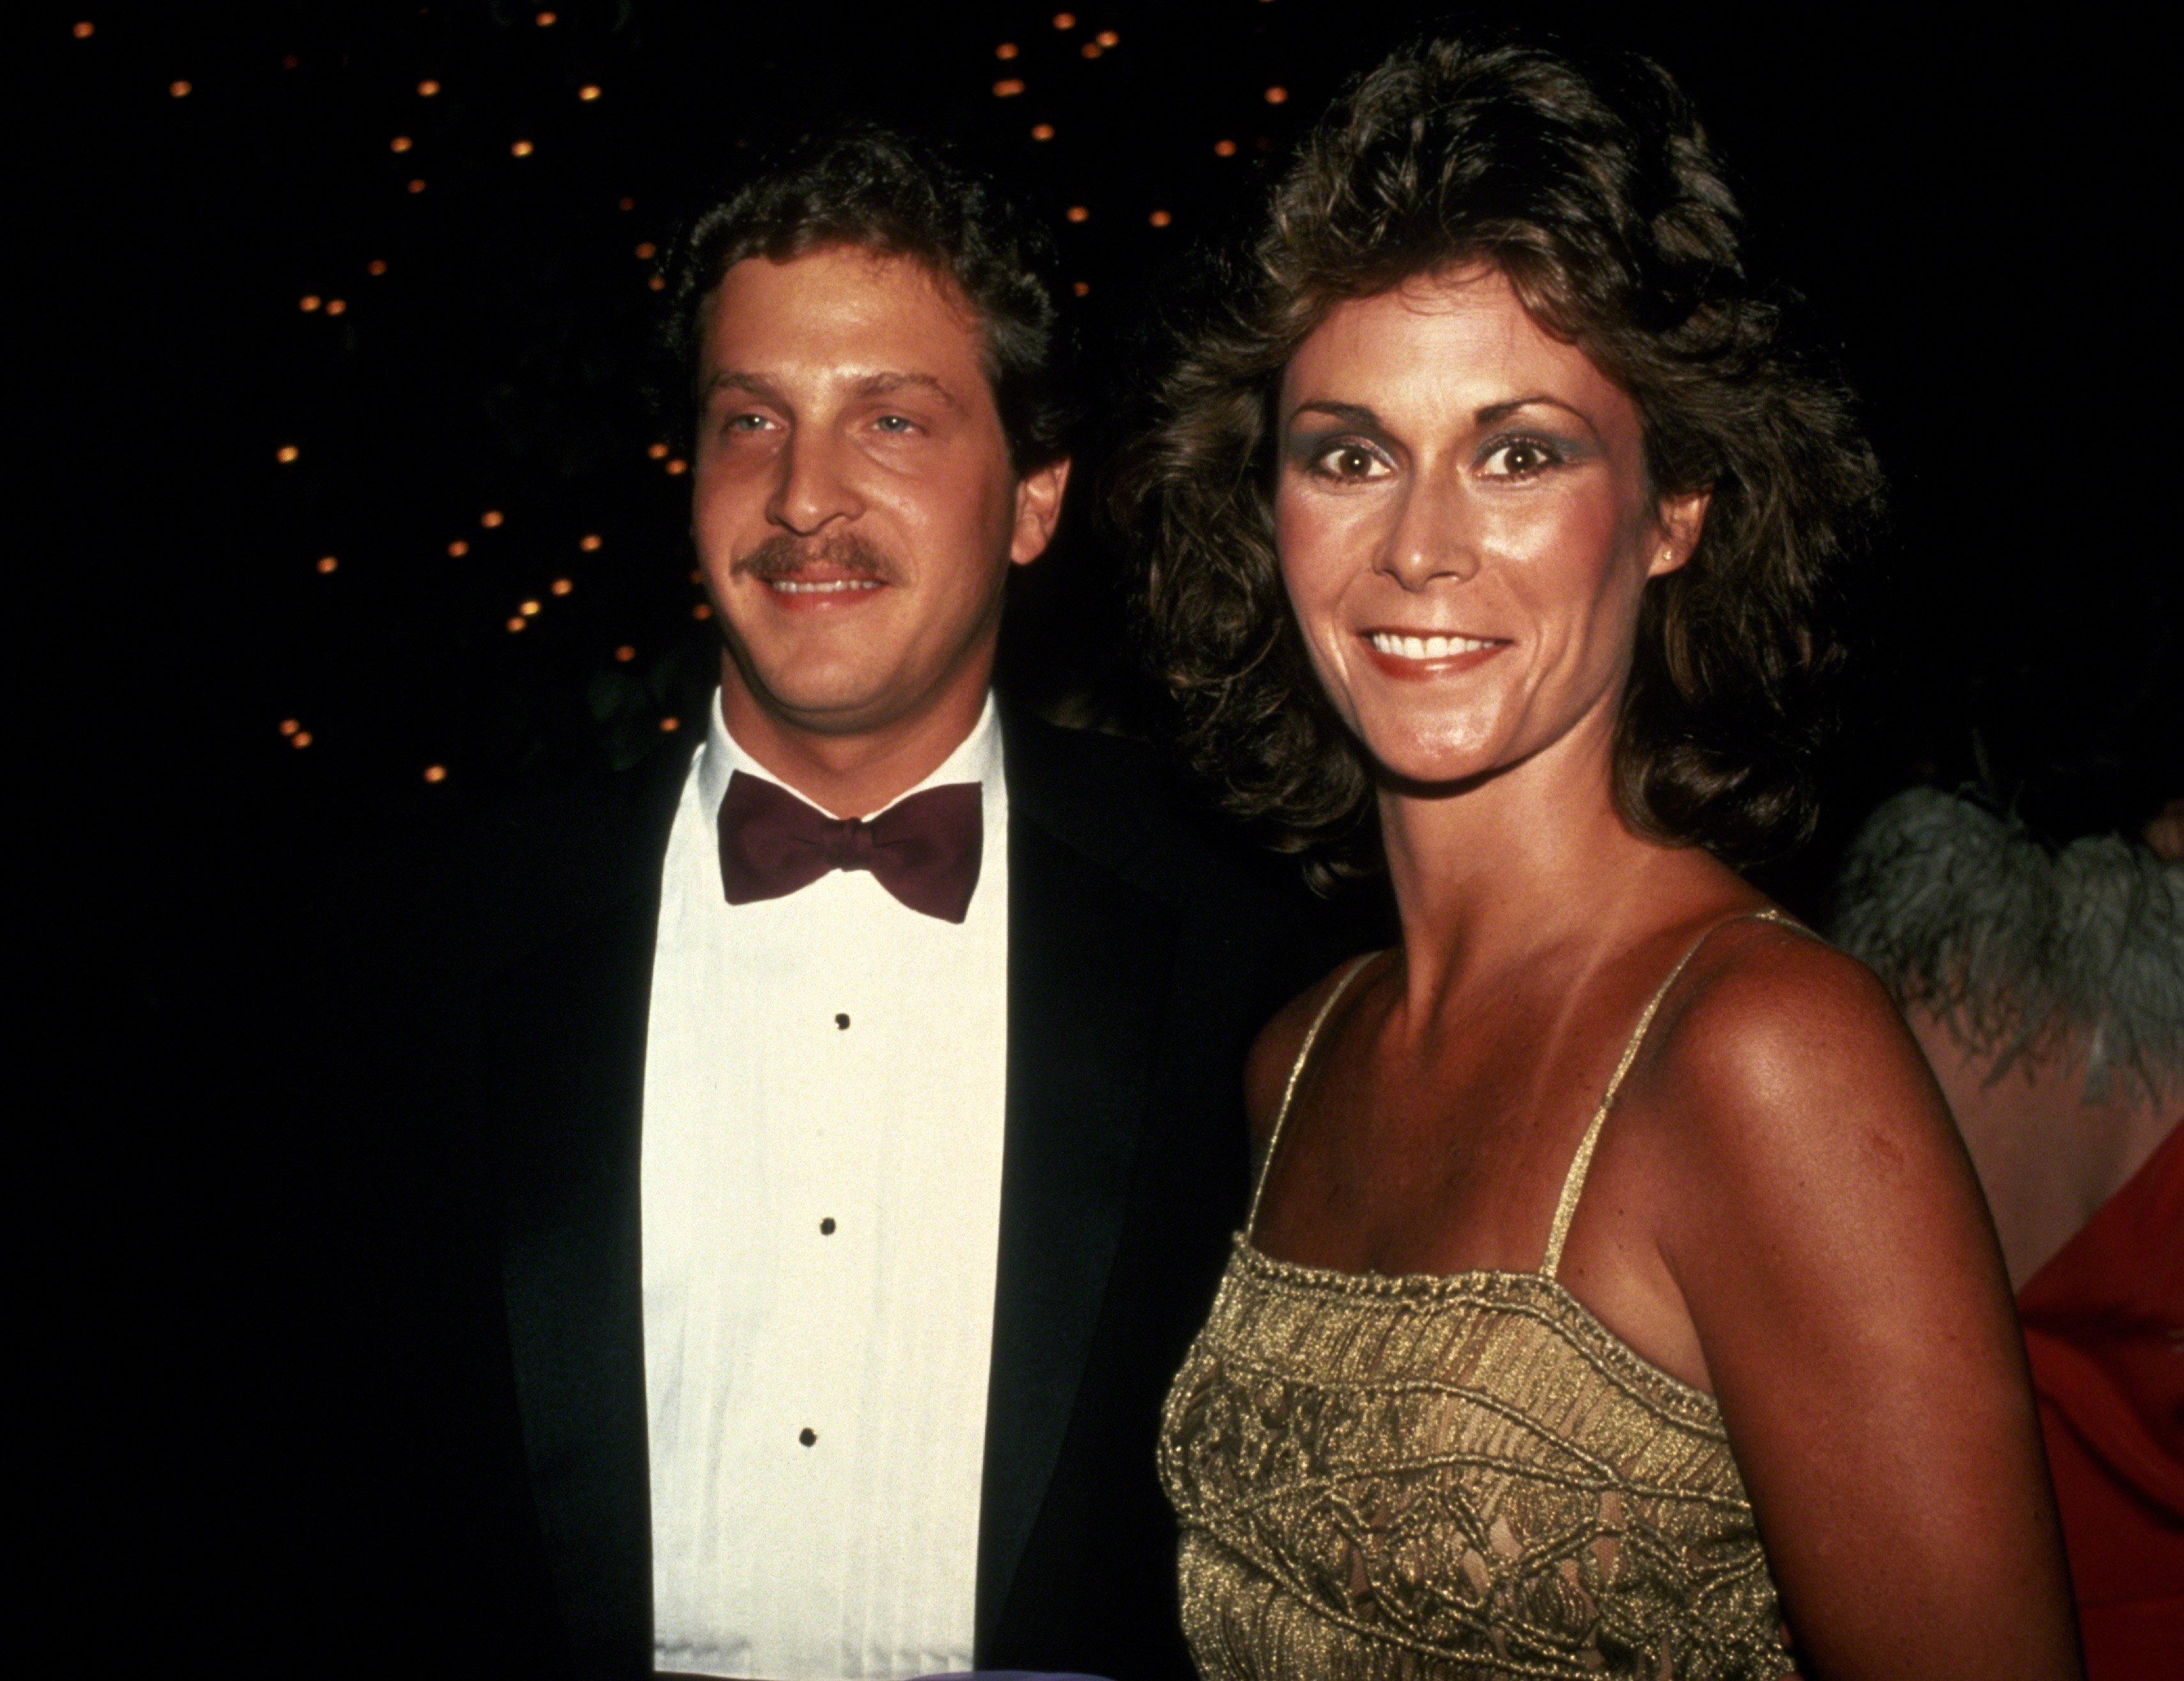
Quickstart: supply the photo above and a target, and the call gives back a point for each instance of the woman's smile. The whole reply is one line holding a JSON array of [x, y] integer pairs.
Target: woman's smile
[[1432, 653]]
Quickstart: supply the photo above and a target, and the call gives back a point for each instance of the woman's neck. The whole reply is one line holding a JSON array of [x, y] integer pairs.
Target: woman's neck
[[1498, 872]]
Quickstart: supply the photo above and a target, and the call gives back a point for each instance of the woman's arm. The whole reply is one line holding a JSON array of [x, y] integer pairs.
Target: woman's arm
[[1843, 1279]]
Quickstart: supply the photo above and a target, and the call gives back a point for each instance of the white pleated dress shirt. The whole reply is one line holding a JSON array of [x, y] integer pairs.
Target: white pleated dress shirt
[[823, 1090]]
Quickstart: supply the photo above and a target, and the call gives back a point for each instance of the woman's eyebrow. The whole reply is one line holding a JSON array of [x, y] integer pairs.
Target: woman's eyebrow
[[1494, 413], [1357, 413]]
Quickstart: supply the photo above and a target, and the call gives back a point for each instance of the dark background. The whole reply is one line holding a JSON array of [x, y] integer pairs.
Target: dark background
[[207, 718]]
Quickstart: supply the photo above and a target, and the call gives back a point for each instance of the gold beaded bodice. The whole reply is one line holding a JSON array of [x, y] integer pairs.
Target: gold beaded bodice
[[1449, 1478]]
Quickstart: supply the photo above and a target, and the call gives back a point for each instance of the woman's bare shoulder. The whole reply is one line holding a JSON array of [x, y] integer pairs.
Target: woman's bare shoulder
[[1784, 1080], [1274, 1052], [1772, 1027]]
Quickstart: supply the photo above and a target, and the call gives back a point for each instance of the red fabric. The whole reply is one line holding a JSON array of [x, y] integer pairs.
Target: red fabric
[[925, 849], [2105, 1326]]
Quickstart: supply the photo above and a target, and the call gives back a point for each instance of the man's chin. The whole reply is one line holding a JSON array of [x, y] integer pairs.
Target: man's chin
[[841, 696], [848, 706]]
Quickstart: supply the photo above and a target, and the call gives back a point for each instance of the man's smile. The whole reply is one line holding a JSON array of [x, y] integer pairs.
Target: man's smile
[[820, 586]]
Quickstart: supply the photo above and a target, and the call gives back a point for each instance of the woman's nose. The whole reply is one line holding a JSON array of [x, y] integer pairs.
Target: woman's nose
[[1434, 535]]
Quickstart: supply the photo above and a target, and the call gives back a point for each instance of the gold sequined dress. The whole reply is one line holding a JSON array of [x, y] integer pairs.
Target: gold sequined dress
[[1449, 1478]]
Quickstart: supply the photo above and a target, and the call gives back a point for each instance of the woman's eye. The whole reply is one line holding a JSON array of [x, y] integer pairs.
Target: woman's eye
[[1519, 458], [1347, 461]]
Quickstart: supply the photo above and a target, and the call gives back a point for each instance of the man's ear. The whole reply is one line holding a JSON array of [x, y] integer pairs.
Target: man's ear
[[1680, 520], [1039, 510]]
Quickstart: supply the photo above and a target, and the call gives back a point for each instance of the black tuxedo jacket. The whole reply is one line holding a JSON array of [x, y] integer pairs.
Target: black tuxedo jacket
[[1145, 947]]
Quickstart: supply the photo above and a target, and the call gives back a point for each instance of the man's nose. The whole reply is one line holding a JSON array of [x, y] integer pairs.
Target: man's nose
[[1435, 535], [810, 489]]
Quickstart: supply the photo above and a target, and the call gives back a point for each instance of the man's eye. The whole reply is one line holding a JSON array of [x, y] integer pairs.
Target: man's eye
[[897, 424], [744, 423], [1520, 457]]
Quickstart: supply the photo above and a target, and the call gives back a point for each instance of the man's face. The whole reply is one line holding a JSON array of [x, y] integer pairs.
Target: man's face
[[854, 507]]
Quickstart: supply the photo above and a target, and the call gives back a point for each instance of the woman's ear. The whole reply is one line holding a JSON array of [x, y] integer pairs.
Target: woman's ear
[[1678, 524]]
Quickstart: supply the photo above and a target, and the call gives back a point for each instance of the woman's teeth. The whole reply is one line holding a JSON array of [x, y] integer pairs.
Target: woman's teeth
[[1426, 647], [832, 586]]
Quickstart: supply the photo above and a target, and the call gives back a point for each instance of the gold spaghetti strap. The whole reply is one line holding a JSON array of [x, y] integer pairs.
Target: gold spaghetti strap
[[1289, 1091], [1573, 1181]]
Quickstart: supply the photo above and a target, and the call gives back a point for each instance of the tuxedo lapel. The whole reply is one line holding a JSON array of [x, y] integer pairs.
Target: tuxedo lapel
[[572, 1019], [1089, 957]]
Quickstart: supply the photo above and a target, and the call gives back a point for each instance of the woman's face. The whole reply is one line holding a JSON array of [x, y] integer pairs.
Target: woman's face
[[1465, 525]]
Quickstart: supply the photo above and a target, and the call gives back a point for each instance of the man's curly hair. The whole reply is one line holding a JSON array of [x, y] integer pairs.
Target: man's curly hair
[[860, 183], [1595, 192]]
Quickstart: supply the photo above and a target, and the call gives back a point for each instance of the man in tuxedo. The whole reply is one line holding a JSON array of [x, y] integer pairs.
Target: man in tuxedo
[[865, 1083]]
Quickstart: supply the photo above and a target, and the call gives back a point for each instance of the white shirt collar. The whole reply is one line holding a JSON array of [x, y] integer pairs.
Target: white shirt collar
[[977, 759]]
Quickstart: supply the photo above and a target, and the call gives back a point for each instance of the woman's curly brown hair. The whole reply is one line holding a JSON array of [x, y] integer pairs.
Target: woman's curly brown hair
[[1595, 192]]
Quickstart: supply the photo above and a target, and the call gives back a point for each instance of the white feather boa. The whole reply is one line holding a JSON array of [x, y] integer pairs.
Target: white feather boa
[[2022, 951]]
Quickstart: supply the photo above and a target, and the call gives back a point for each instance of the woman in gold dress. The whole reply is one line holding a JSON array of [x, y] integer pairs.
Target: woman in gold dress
[[1616, 1299]]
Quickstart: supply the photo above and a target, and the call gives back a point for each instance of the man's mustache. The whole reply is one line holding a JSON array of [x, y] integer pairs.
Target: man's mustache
[[788, 557]]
